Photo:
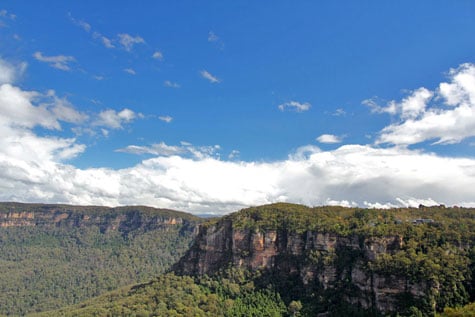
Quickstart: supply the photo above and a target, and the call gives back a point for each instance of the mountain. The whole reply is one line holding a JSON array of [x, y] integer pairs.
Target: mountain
[[292, 260], [346, 261], [56, 255]]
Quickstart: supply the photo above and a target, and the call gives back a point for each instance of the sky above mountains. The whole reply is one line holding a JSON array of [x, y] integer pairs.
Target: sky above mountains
[[214, 106]]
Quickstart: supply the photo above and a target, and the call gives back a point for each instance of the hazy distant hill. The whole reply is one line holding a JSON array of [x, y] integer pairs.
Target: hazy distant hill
[[56, 255], [292, 260]]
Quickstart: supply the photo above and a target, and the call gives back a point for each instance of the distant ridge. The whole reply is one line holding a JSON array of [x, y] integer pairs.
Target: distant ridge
[[52, 255]]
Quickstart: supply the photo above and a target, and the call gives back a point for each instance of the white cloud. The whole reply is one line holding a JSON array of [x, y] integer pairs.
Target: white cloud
[[82, 24], [130, 71], [410, 107], [59, 61], [9, 73], [234, 154], [415, 104], [128, 41], [107, 42], [170, 84], [193, 178], [20, 112], [158, 55], [446, 115], [65, 111], [295, 105], [17, 109], [185, 148], [461, 90], [166, 119], [95, 35], [350, 175], [339, 112], [5, 14], [212, 37], [376, 108], [212, 79], [115, 120], [215, 39], [159, 149], [329, 138]]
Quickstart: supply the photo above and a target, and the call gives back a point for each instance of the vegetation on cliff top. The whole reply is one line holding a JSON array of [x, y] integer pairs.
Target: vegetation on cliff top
[[456, 223]]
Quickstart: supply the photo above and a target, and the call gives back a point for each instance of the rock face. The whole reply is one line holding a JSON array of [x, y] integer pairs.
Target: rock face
[[318, 260], [123, 219]]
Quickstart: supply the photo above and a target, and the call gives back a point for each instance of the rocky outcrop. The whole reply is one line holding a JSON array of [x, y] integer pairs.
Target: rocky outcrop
[[122, 219], [319, 260]]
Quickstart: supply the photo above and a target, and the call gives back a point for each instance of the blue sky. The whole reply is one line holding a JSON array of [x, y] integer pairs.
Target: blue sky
[[217, 105]]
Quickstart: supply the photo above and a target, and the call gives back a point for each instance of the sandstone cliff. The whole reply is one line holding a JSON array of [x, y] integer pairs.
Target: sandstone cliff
[[321, 262], [122, 219]]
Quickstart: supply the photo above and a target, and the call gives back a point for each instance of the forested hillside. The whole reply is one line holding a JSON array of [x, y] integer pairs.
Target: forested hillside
[[56, 255], [292, 260], [184, 296], [346, 261]]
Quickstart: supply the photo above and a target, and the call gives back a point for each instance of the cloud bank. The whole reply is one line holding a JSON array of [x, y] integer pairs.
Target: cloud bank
[[35, 168]]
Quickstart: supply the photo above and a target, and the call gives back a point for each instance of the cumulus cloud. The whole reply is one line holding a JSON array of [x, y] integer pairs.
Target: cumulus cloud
[[59, 61], [329, 138], [115, 120], [63, 110], [234, 154], [350, 175], [171, 84], [339, 112], [9, 73], [130, 71], [22, 111], [215, 39], [17, 109], [212, 37], [212, 79], [128, 41], [445, 115], [107, 42], [34, 168], [166, 119], [5, 14], [295, 106], [158, 55], [410, 107], [82, 24]]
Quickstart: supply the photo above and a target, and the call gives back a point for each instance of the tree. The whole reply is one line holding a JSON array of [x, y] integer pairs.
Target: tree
[[294, 308]]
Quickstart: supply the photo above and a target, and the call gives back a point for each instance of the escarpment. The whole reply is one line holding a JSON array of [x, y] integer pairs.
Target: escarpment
[[121, 219], [56, 255], [334, 256]]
